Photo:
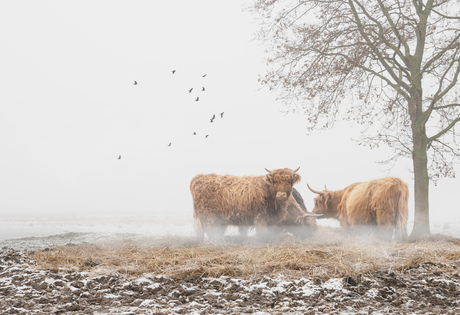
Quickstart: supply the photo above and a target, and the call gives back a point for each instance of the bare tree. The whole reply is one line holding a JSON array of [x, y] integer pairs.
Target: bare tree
[[389, 65]]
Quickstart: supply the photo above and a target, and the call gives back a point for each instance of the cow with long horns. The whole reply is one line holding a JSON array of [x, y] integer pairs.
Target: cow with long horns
[[259, 201], [382, 203]]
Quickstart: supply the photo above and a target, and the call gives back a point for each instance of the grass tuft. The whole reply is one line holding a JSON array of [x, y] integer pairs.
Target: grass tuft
[[182, 258]]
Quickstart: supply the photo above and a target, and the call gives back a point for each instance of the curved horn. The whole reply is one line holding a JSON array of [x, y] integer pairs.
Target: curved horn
[[271, 172], [296, 170], [315, 191]]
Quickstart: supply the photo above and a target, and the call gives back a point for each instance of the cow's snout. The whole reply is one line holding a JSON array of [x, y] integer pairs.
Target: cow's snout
[[281, 195]]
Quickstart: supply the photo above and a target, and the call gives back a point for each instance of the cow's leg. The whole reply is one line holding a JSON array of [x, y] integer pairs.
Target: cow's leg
[[386, 232], [220, 232], [344, 223], [385, 224], [262, 233], [216, 233], [243, 230], [200, 235], [262, 229], [243, 233], [276, 231], [216, 230], [347, 229], [199, 230], [211, 232]]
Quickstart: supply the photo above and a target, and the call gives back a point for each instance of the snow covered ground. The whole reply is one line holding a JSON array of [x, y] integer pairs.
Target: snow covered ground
[[426, 288]]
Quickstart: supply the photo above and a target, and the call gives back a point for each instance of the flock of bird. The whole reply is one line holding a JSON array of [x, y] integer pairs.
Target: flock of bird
[[203, 89]]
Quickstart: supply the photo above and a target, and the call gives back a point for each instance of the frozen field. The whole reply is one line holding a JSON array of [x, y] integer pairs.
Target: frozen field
[[47, 231], [146, 225], [101, 289]]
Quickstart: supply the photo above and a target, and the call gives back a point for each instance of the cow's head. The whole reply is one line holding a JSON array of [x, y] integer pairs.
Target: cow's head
[[281, 182], [298, 222], [323, 203]]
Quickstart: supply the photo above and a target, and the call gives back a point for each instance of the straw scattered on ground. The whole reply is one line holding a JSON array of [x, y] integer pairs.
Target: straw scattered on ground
[[181, 258], [331, 273]]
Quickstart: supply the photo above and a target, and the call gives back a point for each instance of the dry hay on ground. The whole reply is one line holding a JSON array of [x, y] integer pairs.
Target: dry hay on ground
[[180, 258]]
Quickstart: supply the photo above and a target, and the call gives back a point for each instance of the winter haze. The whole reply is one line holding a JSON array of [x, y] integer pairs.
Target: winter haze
[[70, 108]]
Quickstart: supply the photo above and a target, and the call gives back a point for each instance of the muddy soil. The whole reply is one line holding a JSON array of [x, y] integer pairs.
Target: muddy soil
[[425, 288]]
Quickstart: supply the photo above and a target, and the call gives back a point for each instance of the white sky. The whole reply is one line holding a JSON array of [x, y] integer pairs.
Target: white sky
[[69, 108]]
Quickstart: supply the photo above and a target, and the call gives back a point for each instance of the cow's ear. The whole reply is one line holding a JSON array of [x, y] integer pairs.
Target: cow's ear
[[269, 177], [295, 178]]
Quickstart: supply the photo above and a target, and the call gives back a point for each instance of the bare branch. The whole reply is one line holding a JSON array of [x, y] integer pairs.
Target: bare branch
[[447, 106], [367, 62], [446, 129], [374, 48]]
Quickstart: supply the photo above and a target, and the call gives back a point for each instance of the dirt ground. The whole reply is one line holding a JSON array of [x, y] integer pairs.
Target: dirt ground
[[423, 286]]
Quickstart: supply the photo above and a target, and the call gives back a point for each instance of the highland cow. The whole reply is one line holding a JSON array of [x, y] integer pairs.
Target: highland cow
[[259, 201], [382, 203]]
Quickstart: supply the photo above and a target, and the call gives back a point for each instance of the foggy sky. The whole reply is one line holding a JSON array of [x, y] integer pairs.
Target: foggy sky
[[70, 108]]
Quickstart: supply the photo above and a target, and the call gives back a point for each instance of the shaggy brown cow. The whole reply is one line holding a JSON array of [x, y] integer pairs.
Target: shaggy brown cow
[[381, 202], [302, 228], [260, 201]]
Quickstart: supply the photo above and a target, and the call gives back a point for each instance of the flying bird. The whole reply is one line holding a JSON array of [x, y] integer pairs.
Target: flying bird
[[169, 144], [213, 117], [204, 75], [190, 91], [206, 136], [174, 71], [222, 115], [135, 82], [197, 99], [203, 89], [119, 157], [211, 120], [194, 133]]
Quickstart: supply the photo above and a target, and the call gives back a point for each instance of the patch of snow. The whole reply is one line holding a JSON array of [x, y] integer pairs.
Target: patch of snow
[[262, 285], [372, 293], [268, 292], [439, 296], [196, 304], [309, 289], [153, 286], [142, 281], [126, 285], [214, 292], [49, 280], [438, 280], [162, 278], [333, 284], [174, 292], [112, 296], [278, 289], [147, 302], [74, 289]]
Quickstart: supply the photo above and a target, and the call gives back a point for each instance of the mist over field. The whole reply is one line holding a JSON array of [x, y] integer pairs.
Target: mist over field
[[70, 108], [110, 108]]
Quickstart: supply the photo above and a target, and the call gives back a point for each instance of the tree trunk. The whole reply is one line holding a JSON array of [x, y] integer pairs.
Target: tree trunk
[[421, 181]]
